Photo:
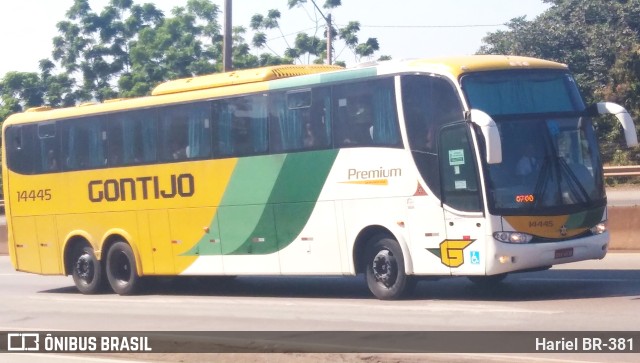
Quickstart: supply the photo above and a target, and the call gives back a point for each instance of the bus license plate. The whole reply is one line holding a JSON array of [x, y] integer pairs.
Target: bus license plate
[[565, 252]]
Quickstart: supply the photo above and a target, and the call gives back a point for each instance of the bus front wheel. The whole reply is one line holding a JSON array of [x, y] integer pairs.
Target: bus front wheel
[[385, 269], [121, 269], [87, 271]]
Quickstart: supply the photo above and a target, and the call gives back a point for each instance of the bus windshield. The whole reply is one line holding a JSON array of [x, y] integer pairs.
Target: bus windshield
[[501, 93], [550, 161]]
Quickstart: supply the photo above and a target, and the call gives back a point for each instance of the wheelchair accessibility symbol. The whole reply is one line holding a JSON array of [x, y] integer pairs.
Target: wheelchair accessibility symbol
[[475, 257]]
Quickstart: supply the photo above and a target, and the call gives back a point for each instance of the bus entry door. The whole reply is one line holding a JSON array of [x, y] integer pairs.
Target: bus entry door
[[463, 248]]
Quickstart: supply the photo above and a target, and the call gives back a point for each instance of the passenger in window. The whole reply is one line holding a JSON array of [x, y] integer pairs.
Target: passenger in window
[[360, 127], [241, 138], [309, 139], [52, 161], [179, 151], [429, 144], [114, 157]]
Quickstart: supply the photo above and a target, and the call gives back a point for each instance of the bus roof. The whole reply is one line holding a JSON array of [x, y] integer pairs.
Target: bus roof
[[259, 79], [457, 66], [240, 77]]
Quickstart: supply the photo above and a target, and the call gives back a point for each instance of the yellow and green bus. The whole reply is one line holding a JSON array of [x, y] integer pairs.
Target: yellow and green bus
[[473, 166]]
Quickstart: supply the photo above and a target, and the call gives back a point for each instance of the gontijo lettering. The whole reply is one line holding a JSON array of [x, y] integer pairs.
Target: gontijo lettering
[[145, 187]]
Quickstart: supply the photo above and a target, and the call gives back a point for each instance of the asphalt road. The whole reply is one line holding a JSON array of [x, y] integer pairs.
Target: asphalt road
[[623, 196], [586, 296]]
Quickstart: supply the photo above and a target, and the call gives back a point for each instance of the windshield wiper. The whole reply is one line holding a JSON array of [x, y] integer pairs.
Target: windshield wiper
[[573, 178], [541, 182]]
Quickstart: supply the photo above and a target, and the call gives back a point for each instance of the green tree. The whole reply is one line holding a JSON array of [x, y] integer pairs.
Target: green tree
[[19, 91], [184, 45], [126, 49], [93, 48], [259, 24], [312, 48]]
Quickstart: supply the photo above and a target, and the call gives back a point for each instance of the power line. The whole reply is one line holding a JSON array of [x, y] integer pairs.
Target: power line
[[399, 26], [431, 26]]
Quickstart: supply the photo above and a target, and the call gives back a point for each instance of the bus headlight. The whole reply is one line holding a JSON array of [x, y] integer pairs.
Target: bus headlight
[[599, 228], [512, 237]]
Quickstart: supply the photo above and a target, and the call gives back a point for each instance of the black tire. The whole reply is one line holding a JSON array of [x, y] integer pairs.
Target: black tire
[[121, 269], [384, 269], [87, 271], [488, 281]]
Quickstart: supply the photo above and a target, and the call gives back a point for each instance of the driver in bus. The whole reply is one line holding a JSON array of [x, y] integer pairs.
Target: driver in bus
[[528, 162]]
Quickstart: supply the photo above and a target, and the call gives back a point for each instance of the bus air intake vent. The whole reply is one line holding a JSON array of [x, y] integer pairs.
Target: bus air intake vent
[[240, 77]]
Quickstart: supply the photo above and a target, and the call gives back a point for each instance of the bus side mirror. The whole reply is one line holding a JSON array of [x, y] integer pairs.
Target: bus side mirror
[[610, 108], [491, 135]]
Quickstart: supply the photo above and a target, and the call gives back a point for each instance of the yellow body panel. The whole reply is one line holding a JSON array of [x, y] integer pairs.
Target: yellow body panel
[[460, 65], [240, 77], [552, 227], [42, 228]]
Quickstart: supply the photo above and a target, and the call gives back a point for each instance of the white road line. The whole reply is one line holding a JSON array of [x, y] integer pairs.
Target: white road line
[[538, 357], [434, 306], [577, 279]]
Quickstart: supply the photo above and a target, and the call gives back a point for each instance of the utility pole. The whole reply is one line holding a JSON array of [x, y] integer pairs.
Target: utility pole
[[228, 41], [329, 40], [329, 35]]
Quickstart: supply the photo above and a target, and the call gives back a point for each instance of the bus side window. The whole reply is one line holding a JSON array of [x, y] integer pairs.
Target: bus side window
[[321, 118], [355, 123], [115, 135], [83, 143], [254, 118], [241, 126], [173, 134], [22, 153], [299, 120], [366, 114], [49, 147], [132, 138], [185, 132]]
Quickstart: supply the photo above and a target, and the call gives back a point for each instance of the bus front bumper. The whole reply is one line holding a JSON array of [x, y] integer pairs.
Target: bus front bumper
[[516, 257]]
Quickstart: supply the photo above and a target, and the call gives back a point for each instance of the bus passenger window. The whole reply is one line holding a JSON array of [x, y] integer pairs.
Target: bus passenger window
[[132, 138], [240, 126], [359, 128], [84, 144], [22, 154], [298, 120], [186, 132], [49, 149], [366, 114]]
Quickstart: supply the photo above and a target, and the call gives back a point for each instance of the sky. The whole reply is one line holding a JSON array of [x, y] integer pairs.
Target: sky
[[404, 28]]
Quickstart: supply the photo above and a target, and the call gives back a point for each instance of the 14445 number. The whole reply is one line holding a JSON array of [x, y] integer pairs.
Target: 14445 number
[[33, 195]]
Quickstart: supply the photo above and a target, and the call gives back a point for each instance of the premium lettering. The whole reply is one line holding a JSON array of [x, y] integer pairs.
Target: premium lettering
[[374, 174], [145, 187]]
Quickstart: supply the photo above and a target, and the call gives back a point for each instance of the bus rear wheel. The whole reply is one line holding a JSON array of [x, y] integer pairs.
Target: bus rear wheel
[[87, 271], [121, 269], [385, 269]]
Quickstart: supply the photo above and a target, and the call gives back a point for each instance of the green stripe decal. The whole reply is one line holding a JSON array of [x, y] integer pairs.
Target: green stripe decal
[[586, 219], [268, 202], [319, 78]]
